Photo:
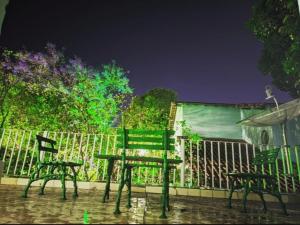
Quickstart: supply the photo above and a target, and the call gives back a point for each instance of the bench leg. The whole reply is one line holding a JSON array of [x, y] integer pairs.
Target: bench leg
[[261, 195], [164, 191], [231, 185], [33, 177], [42, 189], [168, 192], [74, 179], [278, 195], [108, 178], [246, 192], [47, 179], [121, 185], [63, 182], [128, 179]]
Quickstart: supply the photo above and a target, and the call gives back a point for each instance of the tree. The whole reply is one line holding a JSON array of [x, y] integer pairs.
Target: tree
[[47, 91], [277, 24], [151, 110]]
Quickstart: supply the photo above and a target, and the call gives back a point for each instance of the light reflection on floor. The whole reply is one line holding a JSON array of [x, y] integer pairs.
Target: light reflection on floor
[[49, 208]]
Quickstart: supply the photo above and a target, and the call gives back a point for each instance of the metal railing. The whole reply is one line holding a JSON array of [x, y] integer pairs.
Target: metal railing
[[205, 163]]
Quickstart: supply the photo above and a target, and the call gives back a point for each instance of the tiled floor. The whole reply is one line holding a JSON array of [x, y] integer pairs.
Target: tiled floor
[[49, 208]]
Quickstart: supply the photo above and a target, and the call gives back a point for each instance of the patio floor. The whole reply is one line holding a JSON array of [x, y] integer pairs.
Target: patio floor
[[49, 208]]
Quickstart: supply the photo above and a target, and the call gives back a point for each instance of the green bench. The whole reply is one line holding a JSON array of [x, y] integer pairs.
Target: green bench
[[259, 182], [48, 168], [130, 139]]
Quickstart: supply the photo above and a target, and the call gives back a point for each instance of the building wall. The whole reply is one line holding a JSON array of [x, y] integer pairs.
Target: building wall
[[219, 121]]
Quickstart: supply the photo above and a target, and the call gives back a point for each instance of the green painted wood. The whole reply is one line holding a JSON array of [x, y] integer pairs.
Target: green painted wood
[[57, 170], [44, 139], [149, 166], [258, 182], [139, 158], [147, 147], [145, 132], [266, 157], [145, 139], [48, 149]]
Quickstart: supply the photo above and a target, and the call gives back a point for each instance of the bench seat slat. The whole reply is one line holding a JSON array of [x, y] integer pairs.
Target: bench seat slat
[[148, 166], [139, 158], [146, 147], [145, 132], [153, 140]]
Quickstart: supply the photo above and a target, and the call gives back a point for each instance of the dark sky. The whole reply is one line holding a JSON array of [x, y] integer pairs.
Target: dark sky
[[201, 49]]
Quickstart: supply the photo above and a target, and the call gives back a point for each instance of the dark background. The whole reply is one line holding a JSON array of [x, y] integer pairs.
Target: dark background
[[201, 49]]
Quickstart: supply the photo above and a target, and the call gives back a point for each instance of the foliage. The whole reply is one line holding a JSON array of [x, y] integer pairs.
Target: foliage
[[47, 91], [277, 24], [187, 131], [150, 110]]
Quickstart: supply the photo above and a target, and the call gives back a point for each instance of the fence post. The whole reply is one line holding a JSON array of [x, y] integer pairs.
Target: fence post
[[182, 156]]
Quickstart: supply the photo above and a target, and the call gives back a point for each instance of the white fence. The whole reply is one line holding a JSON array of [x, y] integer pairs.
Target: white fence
[[205, 163]]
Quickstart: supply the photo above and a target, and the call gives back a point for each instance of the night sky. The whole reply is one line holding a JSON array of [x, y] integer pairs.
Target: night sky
[[201, 49]]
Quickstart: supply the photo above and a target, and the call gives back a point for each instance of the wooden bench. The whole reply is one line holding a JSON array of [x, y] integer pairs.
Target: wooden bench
[[259, 182], [130, 139], [48, 168]]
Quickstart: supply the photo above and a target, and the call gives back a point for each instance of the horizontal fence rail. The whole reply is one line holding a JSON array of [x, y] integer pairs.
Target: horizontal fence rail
[[205, 163]]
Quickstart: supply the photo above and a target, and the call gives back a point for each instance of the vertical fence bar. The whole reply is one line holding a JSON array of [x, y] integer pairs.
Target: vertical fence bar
[[80, 146], [73, 145], [284, 169], [240, 158], [32, 155], [291, 168], [198, 164], [99, 152], [93, 152], [232, 153], [226, 162], [219, 166], [66, 147], [86, 149], [182, 155], [26, 152], [191, 163], [174, 177], [2, 137], [4, 156], [253, 152], [262, 167], [12, 152], [247, 158], [60, 142], [212, 165], [205, 164], [277, 175], [106, 150], [20, 149], [297, 162]]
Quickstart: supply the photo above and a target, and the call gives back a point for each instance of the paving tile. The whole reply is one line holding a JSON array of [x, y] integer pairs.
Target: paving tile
[[49, 208]]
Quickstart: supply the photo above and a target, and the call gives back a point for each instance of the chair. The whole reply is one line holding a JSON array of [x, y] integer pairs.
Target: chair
[[259, 182], [48, 168]]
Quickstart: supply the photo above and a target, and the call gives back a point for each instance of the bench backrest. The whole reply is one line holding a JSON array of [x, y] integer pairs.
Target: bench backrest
[[42, 142], [145, 139], [266, 158]]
